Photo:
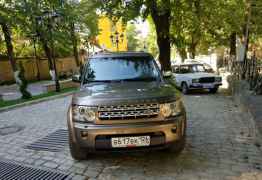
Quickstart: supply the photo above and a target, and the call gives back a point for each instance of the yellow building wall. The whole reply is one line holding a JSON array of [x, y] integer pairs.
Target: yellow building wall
[[63, 65], [106, 29]]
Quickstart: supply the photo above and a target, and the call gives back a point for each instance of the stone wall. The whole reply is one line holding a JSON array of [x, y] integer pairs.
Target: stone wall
[[64, 66]]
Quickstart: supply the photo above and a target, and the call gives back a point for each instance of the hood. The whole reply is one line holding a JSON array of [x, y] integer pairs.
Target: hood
[[124, 93]]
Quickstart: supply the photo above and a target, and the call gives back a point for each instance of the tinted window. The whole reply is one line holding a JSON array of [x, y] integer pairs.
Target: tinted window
[[121, 69], [192, 68], [185, 69], [198, 68], [175, 69]]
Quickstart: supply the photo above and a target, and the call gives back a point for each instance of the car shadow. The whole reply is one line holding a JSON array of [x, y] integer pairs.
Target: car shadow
[[199, 92], [221, 91], [153, 162]]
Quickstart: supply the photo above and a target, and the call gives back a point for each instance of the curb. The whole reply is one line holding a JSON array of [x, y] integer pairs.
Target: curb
[[9, 108], [241, 99]]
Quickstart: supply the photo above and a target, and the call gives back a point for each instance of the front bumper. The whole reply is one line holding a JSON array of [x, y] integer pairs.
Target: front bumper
[[204, 85], [98, 137]]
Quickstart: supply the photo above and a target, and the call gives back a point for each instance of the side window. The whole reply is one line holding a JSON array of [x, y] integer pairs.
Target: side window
[[194, 69], [184, 69], [175, 69]]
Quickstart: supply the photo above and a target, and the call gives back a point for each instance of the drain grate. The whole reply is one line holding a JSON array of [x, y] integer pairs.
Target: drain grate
[[54, 142], [13, 171]]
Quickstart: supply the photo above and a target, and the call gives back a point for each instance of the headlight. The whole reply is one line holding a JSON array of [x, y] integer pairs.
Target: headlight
[[170, 109], [84, 113], [195, 80], [218, 79]]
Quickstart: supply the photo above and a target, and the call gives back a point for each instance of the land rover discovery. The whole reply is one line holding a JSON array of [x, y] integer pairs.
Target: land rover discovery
[[125, 103]]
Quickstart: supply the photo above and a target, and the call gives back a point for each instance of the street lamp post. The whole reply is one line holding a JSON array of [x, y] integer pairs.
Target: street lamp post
[[116, 38], [87, 45], [34, 37]]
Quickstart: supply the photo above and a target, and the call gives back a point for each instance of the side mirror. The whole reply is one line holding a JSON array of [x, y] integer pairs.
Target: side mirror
[[167, 74], [76, 78]]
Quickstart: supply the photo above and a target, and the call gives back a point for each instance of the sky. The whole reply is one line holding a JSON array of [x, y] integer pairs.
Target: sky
[[143, 27]]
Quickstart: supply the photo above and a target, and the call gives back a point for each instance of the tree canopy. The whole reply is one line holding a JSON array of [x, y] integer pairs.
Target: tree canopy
[[26, 17]]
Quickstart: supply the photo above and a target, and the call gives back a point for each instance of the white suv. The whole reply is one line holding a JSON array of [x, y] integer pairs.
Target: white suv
[[191, 76]]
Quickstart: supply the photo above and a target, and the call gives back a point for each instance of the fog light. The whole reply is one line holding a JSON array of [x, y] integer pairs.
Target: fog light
[[84, 134], [174, 129]]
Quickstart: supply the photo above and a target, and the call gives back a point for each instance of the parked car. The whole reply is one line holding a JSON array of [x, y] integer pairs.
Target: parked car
[[125, 103], [191, 76]]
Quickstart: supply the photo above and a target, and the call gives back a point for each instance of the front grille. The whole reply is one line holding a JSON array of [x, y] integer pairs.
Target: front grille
[[207, 80], [122, 112]]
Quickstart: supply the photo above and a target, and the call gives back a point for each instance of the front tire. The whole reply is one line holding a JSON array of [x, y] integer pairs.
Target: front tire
[[184, 88], [76, 151], [213, 90], [179, 145]]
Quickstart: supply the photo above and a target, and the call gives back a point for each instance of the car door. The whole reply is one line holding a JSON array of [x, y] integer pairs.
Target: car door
[[184, 75], [177, 75]]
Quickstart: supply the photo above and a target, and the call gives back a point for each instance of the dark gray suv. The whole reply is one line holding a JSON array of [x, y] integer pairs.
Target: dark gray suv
[[125, 103]]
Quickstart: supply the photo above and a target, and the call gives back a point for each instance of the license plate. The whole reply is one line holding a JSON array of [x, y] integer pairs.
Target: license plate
[[208, 86], [138, 141]]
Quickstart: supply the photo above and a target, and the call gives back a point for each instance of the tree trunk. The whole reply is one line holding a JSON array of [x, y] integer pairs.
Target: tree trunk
[[164, 52], [74, 42], [182, 53], [48, 52], [233, 44], [192, 50], [9, 46], [162, 24], [10, 51], [246, 37]]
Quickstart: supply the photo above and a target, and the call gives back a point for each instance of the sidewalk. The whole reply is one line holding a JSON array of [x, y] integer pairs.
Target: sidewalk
[[254, 104], [11, 92], [249, 102]]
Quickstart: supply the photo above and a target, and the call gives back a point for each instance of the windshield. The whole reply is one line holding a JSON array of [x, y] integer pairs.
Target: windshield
[[192, 69], [198, 68], [120, 69]]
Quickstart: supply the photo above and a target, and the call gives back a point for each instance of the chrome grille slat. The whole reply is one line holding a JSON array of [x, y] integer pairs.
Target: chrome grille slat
[[207, 80], [128, 111]]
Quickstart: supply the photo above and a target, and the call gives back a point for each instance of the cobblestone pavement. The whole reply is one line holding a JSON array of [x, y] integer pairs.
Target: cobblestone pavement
[[220, 145]]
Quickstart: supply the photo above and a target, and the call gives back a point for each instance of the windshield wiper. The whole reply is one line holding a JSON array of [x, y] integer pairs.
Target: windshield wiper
[[140, 79], [102, 81], [121, 80]]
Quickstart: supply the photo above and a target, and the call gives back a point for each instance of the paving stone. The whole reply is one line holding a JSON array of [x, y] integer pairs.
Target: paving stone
[[50, 165], [29, 161], [64, 168], [78, 177], [218, 145], [91, 173], [39, 162]]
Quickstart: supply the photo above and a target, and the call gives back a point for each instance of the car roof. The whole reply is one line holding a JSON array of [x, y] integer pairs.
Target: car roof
[[187, 64], [121, 54]]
